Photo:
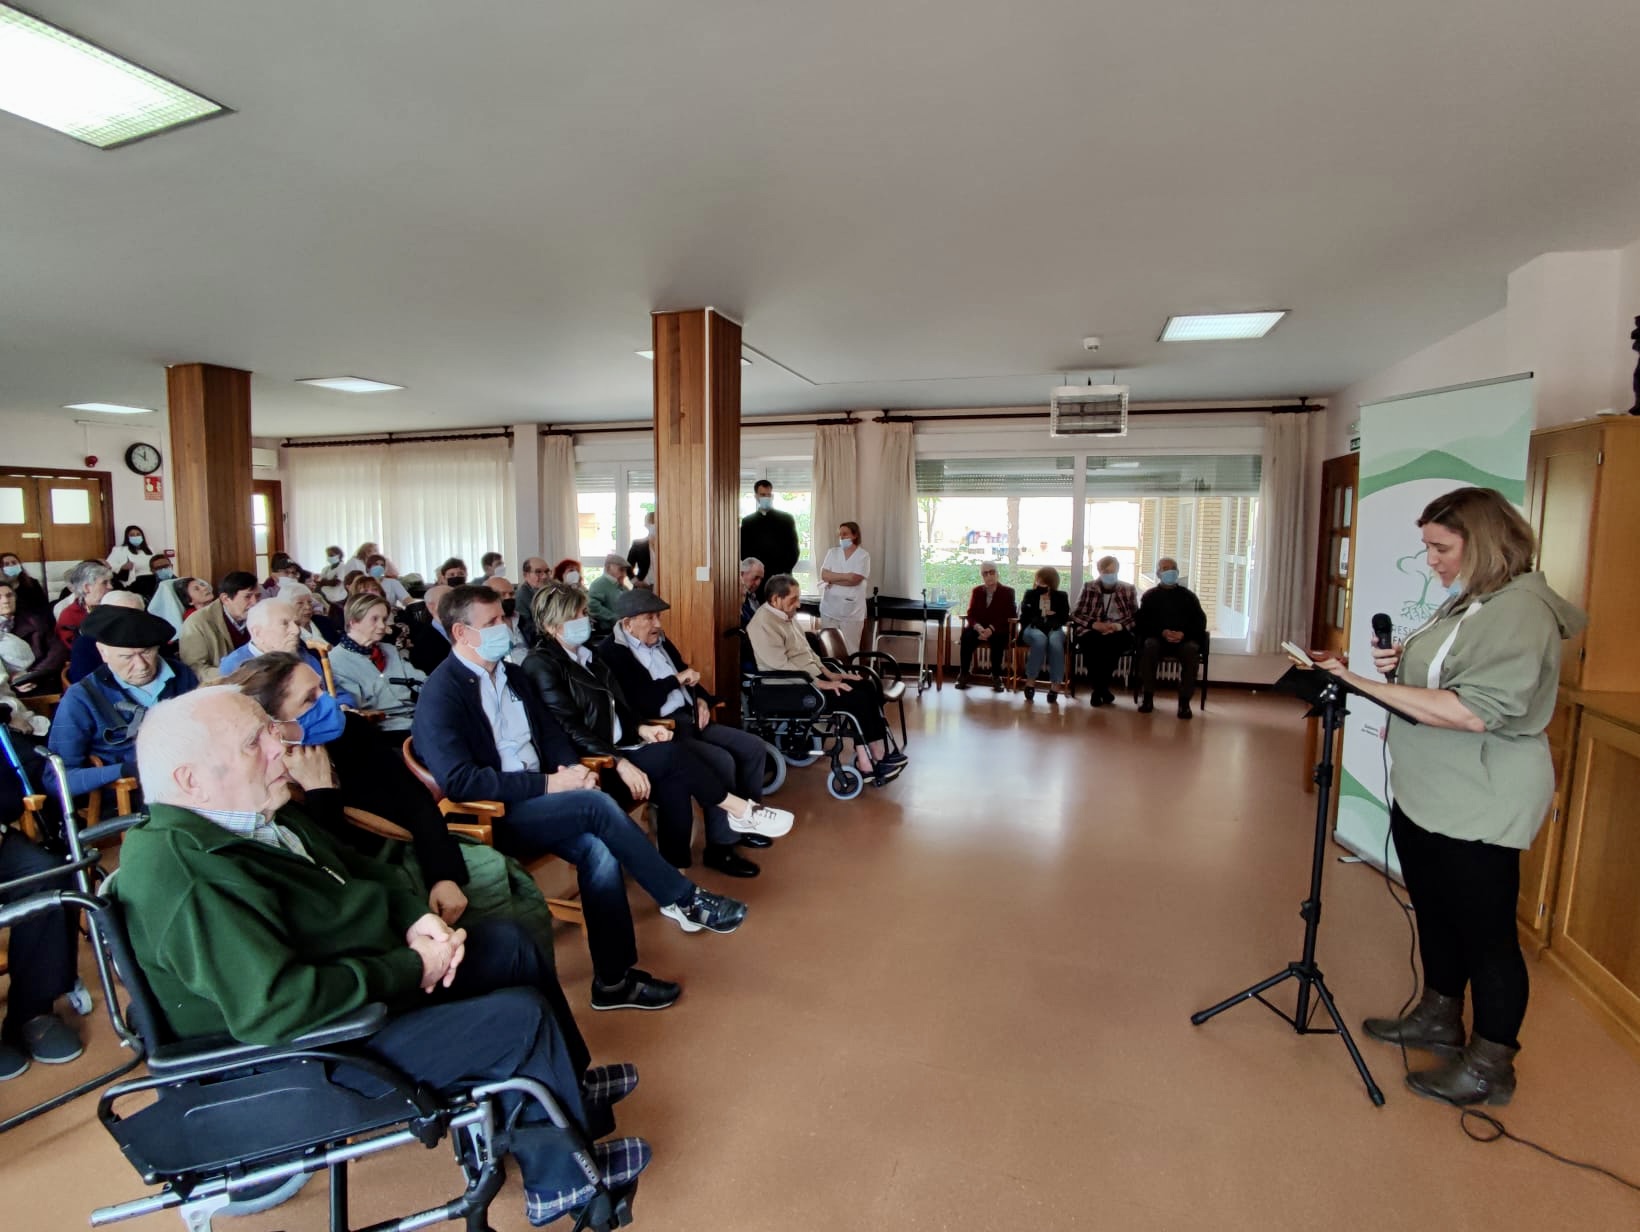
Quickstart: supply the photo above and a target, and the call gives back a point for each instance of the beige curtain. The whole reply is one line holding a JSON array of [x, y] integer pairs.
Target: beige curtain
[[1283, 566], [836, 488], [899, 566], [560, 523]]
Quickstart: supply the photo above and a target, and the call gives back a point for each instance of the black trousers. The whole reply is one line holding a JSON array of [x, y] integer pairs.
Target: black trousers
[[863, 702], [737, 757], [676, 777], [1464, 895], [998, 642], [1101, 651], [504, 1016], [1151, 654], [42, 949]]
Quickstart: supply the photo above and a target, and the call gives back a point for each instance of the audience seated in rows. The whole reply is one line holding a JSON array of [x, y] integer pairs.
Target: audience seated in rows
[[779, 645], [218, 628], [83, 658], [484, 734], [581, 692], [369, 666], [88, 582], [991, 614], [606, 588], [1103, 623], [1171, 624], [248, 919], [1044, 612], [102, 714]]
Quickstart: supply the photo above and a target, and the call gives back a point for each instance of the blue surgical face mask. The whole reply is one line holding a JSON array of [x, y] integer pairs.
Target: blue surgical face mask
[[494, 643], [135, 541], [765, 502], [323, 721], [845, 542], [378, 571], [573, 578], [1168, 577], [1109, 579], [165, 574], [578, 632], [334, 558], [13, 570]]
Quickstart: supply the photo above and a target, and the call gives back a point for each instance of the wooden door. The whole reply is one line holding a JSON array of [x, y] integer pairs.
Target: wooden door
[[267, 522], [1335, 555], [58, 518], [1561, 489]]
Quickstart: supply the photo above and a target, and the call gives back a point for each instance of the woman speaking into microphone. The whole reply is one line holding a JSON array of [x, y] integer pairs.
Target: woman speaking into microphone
[[1470, 785]]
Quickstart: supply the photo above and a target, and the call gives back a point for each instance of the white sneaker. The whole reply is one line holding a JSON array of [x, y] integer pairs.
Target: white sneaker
[[769, 822]]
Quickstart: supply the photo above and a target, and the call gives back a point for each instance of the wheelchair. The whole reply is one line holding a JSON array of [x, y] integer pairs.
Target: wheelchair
[[788, 713]]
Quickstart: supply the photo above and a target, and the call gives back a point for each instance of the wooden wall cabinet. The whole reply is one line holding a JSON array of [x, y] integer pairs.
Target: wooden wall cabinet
[[1540, 865], [1583, 500]]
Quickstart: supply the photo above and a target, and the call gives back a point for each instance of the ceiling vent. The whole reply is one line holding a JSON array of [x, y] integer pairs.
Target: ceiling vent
[[1088, 410]]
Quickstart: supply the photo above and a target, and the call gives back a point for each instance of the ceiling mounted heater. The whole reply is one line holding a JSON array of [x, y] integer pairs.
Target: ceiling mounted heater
[[1088, 410]]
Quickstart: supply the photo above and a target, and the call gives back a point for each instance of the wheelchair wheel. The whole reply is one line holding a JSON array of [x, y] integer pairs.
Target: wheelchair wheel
[[845, 782], [774, 769]]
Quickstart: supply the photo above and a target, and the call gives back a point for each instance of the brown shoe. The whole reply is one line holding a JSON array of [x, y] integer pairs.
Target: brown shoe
[[1485, 1074], [1435, 1024]]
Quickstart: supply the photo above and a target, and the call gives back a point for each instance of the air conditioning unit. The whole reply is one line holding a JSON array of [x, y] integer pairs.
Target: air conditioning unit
[[264, 459], [1088, 410]]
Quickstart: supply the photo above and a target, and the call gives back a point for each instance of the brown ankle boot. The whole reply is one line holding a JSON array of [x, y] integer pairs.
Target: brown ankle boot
[[1485, 1074], [1435, 1024]]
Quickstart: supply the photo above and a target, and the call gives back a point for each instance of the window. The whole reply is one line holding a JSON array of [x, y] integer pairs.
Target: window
[[261, 518], [595, 509], [1017, 512]]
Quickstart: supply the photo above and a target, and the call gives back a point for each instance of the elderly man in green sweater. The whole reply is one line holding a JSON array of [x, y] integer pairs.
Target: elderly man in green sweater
[[606, 588], [249, 920]]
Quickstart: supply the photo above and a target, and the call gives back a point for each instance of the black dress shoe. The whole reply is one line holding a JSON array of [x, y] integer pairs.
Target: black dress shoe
[[754, 840], [1146, 705], [1030, 693], [996, 685], [1184, 710], [962, 682], [638, 991], [725, 861]]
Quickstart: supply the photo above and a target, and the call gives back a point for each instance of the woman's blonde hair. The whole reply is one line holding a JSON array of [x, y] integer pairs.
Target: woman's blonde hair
[[1498, 544], [358, 607], [1048, 574], [558, 603]]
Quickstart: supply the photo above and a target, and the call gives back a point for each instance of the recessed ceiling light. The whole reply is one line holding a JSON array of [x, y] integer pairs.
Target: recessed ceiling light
[[53, 78], [650, 355], [109, 408], [1221, 326], [348, 384]]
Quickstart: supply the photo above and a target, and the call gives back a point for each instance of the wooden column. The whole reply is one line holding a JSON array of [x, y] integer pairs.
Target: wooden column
[[210, 468], [697, 481]]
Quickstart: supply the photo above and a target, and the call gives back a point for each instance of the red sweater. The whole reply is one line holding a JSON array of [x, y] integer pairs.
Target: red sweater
[[994, 612]]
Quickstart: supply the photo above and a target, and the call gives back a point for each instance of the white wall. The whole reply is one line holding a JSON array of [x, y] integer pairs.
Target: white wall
[[1628, 307]]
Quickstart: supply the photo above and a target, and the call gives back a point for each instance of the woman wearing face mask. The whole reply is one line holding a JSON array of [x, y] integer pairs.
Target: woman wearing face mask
[[392, 589], [131, 556], [369, 666], [29, 647], [568, 572], [583, 696], [843, 577], [1044, 611], [1471, 783], [31, 596]]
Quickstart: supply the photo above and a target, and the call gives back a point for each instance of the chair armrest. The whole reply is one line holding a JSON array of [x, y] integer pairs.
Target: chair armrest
[[114, 825], [478, 832], [669, 724], [123, 788], [595, 764], [219, 1051], [372, 716], [473, 808], [372, 823]]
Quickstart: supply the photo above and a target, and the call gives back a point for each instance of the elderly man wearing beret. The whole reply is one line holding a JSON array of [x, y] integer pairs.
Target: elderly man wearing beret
[[100, 715], [658, 684]]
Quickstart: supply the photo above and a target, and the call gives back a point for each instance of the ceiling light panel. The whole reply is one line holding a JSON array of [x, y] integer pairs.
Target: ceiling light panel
[[1221, 326], [348, 384], [53, 78], [109, 408]]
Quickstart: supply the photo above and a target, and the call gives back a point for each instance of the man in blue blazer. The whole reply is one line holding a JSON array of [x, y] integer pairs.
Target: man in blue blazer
[[484, 735]]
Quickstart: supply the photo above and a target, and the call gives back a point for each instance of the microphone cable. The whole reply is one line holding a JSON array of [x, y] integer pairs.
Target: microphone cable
[[1492, 1128]]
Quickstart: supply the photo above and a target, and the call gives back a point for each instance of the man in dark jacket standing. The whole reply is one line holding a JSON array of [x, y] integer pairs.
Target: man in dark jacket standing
[[769, 534], [1171, 623]]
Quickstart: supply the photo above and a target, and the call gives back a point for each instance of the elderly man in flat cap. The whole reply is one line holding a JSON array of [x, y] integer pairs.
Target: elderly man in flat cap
[[606, 588], [658, 683], [100, 715]]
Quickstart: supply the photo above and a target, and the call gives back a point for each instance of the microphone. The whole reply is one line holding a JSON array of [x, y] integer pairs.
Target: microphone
[[1383, 637]]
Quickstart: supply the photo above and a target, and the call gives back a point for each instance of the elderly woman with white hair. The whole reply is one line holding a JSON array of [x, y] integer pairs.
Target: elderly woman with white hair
[[88, 582], [275, 627], [368, 665]]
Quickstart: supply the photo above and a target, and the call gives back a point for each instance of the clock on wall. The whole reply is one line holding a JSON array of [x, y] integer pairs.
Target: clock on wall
[[144, 459]]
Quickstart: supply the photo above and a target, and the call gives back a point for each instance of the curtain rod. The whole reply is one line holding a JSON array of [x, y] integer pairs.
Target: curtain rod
[[397, 439], [645, 426], [911, 416]]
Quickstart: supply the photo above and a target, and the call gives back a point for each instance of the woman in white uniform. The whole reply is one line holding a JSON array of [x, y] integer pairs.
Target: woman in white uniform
[[131, 558], [843, 577]]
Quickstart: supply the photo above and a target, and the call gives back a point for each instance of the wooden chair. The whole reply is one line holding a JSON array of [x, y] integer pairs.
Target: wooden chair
[[124, 790], [484, 815]]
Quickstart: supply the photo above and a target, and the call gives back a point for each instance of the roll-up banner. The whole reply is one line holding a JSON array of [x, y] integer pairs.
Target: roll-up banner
[[1413, 449]]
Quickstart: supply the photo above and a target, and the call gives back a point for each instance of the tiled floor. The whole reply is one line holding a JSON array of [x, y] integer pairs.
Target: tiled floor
[[963, 1003]]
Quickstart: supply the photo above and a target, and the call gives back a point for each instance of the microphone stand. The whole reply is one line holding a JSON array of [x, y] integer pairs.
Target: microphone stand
[[1325, 693]]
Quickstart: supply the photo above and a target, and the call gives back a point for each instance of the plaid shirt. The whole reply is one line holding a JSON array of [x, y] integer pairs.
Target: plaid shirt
[[1120, 604]]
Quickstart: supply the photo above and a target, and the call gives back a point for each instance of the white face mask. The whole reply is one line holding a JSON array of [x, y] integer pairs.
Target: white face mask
[[573, 578], [845, 543]]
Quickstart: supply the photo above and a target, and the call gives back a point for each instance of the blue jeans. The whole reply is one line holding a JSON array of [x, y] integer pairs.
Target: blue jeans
[[1038, 643], [588, 829]]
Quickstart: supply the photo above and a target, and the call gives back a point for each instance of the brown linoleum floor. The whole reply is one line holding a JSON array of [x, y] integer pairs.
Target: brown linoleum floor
[[963, 1003]]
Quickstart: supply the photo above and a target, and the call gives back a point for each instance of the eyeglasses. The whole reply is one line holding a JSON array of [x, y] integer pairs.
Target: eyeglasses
[[282, 730]]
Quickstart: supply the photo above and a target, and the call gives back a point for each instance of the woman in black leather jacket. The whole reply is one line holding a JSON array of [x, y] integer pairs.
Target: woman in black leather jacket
[[584, 697], [1044, 611]]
